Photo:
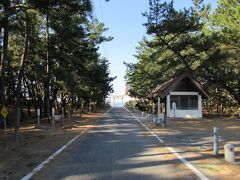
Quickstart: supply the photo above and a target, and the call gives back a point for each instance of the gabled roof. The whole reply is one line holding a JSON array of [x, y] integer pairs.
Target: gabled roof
[[162, 90]]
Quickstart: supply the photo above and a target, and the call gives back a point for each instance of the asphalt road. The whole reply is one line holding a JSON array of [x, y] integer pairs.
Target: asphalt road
[[118, 148]]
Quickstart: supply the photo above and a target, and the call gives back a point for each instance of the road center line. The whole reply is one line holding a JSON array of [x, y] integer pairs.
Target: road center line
[[40, 166], [182, 159]]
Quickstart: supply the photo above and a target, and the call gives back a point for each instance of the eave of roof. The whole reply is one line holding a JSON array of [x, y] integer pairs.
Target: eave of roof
[[162, 90]]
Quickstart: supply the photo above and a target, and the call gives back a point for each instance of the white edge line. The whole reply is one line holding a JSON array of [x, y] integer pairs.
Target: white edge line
[[182, 159], [40, 166], [107, 112]]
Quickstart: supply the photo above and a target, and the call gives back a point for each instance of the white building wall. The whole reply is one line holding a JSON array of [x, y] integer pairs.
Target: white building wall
[[185, 113]]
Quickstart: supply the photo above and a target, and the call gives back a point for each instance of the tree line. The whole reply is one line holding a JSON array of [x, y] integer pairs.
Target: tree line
[[196, 39], [49, 55]]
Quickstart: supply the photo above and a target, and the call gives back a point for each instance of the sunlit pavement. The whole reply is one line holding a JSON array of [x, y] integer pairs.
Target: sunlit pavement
[[119, 148]]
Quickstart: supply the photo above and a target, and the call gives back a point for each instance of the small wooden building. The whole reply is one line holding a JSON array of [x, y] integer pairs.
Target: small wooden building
[[181, 96]]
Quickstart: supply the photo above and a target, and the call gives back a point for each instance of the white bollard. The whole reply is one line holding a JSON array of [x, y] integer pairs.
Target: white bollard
[[38, 116], [229, 153], [174, 109], [148, 116], [53, 116], [154, 119], [215, 143], [142, 113]]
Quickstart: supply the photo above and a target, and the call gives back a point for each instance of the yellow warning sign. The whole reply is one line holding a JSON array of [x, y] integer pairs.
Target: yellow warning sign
[[4, 112]]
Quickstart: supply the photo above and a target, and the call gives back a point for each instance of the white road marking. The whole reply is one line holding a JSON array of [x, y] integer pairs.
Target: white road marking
[[107, 112], [182, 159], [40, 166]]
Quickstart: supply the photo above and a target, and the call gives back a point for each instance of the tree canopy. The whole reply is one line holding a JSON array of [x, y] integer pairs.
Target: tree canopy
[[49, 55], [194, 39]]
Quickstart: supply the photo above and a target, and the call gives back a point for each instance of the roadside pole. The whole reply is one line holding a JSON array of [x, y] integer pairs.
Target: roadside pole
[[153, 108], [4, 113], [5, 133], [69, 114], [174, 109], [215, 145], [159, 112], [53, 116], [63, 114], [38, 117]]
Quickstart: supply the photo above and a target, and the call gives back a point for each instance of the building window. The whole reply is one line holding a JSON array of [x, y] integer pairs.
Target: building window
[[184, 102]]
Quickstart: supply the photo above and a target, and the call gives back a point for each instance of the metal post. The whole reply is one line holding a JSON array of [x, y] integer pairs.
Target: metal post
[[5, 123], [164, 120], [4, 113], [221, 114], [38, 117], [5, 132], [53, 116], [63, 114], [215, 146], [69, 115], [159, 111], [153, 108]]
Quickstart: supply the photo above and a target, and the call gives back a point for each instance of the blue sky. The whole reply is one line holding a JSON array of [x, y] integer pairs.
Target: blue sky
[[124, 20]]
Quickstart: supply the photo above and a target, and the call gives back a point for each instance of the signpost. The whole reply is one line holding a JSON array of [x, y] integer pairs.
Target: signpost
[[4, 113]]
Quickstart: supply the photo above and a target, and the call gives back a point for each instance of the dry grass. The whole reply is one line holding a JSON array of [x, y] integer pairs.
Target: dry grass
[[36, 144]]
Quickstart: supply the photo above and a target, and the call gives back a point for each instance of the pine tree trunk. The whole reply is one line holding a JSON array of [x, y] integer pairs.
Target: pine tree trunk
[[47, 82], [20, 77], [4, 57]]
